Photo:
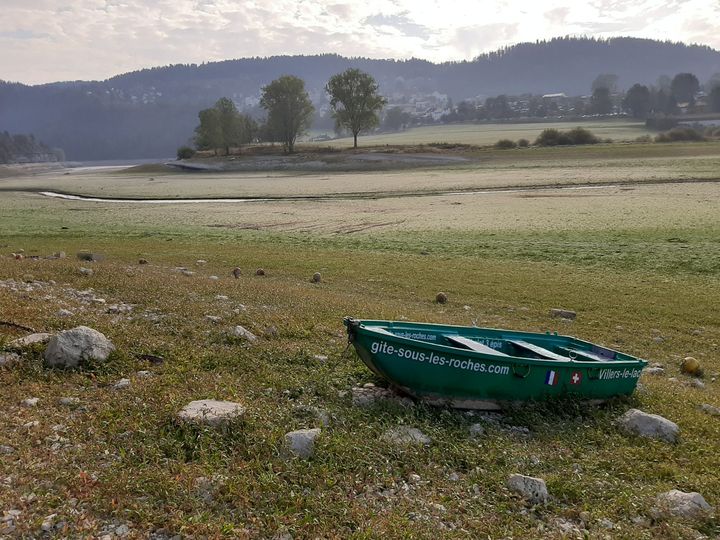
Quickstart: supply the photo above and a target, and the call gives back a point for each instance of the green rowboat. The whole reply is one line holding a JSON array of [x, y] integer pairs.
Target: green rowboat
[[484, 368]]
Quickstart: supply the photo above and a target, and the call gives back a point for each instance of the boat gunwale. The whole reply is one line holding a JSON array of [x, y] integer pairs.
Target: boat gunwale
[[362, 326]]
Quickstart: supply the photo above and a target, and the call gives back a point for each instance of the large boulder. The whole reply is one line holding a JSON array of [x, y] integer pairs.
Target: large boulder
[[529, 488], [82, 344], [676, 503], [647, 425], [211, 412]]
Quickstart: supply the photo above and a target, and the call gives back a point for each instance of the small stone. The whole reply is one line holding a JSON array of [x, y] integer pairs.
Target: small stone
[[302, 442], [563, 313], [656, 371], [86, 271], [454, 477], [676, 503], [122, 530], [122, 384], [585, 517], [142, 261], [30, 402], [236, 273], [414, 478], [213, 318], [697, 383], [29, 341], [406, 436], [476, 430], [187, 273], [201, 262], [144, 374], [221, 297], [243, 333], [6, 450], [213, 278], [211, 412], [605, 523], [59, 255], [69, 401], [441, 298], [369, 396], [316, 278], [658, 339], [270, 332], [320, 357], [64, 313], [647, 425], [8, 359], [71, 347], [690, 366], [259, 272], [529, 488], [710, 409]]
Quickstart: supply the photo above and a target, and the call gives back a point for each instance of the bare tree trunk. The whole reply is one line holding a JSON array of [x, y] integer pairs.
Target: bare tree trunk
[[355, 140]]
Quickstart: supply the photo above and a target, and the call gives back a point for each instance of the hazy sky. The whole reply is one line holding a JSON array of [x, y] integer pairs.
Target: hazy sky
[[51, 40]]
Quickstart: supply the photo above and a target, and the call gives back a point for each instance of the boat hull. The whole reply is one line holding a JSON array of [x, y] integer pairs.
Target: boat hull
[[468, 379]]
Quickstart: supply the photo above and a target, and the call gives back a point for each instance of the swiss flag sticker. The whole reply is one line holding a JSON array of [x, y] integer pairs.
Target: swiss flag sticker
[[576, 377]]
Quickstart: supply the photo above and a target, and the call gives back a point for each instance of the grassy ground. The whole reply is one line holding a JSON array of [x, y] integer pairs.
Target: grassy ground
[[638, 263], [483, 134]]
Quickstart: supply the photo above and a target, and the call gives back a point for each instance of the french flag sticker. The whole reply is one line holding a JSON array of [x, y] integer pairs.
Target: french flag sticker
[[551, 378]]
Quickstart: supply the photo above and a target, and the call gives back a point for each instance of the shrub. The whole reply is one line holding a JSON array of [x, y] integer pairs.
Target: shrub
[[680, 134], [505, 144], [185, 152], [523, 143], [580, 135], [643, 139], [553, 137]]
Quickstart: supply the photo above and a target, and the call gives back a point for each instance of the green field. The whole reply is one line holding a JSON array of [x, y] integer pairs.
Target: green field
[[487, 134], [633, 247]]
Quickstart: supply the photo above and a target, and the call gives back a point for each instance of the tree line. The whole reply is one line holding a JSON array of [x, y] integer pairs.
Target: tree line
[[22, 148], [355, 103]]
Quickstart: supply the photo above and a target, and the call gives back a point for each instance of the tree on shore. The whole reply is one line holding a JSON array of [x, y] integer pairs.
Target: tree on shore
[[637, 101], [355, 101], [289, 108], [222, 126], [601, 102], [714, 99], [684, 86]]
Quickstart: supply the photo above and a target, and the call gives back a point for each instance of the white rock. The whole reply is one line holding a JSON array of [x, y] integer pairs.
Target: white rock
[[69, 401], [243, 333], [71, 347], [532, 489], [681, 504], [86, 271], [200, 262], [29, 341], [213, 318], [30, 402], [211, 412], [64, 313], [213, 278], [302, 442], [8, 359], [122, 384], [367, 397], [406, 436], [710, 409], [144, 374], [221, 297], [652, 426], [476, 430]]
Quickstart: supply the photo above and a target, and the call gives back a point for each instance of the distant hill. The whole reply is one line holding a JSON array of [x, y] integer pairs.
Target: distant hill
[[149, 113], [25, 149]]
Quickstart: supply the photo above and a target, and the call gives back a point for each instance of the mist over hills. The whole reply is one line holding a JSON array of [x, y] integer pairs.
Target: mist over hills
[[149, 113]]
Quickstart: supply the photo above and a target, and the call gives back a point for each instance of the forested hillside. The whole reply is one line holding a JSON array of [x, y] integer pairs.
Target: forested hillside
[[149, 113], [25, 149]]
